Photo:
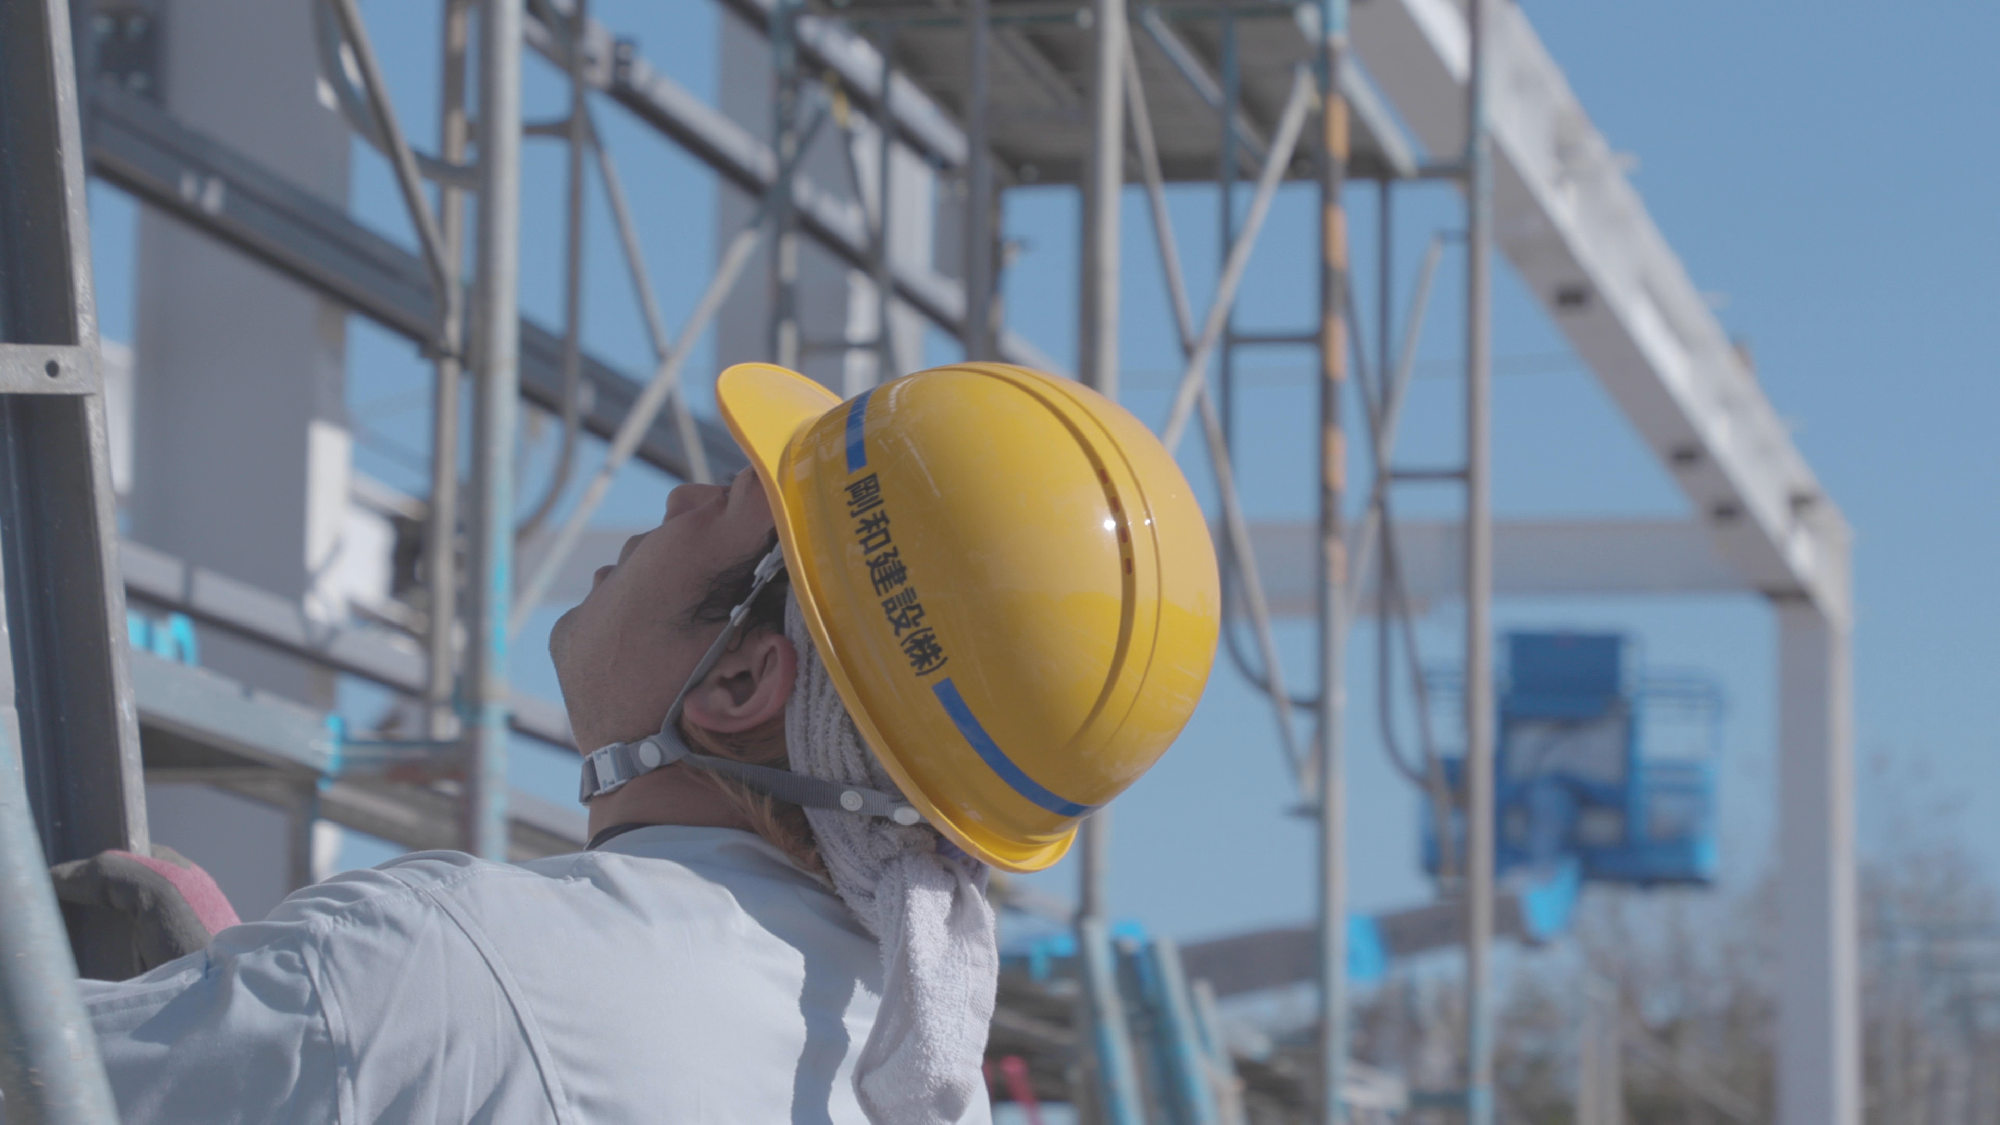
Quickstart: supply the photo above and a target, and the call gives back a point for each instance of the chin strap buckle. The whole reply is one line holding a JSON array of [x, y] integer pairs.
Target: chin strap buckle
[[610, 768]]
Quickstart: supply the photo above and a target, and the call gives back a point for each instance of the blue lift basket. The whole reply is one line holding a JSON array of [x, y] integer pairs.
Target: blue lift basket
[[1572, 778]]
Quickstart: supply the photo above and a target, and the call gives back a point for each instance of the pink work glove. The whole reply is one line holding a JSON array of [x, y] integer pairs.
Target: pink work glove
[[172, 906]]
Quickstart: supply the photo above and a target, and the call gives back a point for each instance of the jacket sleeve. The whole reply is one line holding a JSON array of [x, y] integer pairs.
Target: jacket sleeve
[[235, 1033], [359, 998], [244, 1030]]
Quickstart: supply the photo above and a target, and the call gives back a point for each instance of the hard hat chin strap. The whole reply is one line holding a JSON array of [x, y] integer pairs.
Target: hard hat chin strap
[[610, 768]]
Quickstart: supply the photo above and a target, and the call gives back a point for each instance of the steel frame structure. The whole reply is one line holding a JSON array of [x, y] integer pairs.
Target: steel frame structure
[[1528, 161], [69, 740]]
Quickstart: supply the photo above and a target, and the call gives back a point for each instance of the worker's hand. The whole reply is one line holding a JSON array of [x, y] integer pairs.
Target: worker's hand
[[171, 906]]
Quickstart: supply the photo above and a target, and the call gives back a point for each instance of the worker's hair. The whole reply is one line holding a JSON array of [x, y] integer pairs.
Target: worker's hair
[[730, 585], [784, 825]]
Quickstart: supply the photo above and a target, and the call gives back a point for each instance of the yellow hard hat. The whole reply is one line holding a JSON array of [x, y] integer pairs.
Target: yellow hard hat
[[1008, 578]]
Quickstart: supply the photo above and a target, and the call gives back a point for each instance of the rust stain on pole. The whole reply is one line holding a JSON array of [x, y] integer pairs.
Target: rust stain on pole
[[1336, 564]]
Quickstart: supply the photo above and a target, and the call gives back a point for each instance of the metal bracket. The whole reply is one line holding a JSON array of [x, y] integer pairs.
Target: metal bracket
[[38, 369]]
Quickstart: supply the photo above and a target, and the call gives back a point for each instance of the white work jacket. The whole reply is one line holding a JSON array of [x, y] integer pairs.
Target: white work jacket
[[675, 975]]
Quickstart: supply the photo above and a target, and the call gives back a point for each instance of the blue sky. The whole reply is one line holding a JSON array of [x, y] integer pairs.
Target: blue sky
[[1817, 169]]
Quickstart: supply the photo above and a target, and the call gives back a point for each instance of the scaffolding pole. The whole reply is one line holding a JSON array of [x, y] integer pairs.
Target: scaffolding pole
[[1104, 179], [1331, 594], [1237, 555], [69, 712], [496, 401], [70, 782], [1478, 579], [886, 365], [441, 516], [785, 347], [1226, 174], [1119, 1101], [979, 332]]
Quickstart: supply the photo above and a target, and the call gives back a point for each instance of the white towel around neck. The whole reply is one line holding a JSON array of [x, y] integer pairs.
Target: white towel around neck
[[925, 902]]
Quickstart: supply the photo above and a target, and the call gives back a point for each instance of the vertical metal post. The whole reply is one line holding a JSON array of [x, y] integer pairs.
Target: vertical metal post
[[75, 728], [1094, 876], [785, 351], [441, 522], [1331, 594], [1222, 1064], [60, 661], [49, 1068], [979, 334], [885, 171], [1819, 1036], [1103, 182], [578, 142], [78, 732], [1119, 1100], [301, 824], [1385, 291], [1225, 191], [1097, 367], [1479, 717], [1177, 1035], [496, 397], [1600, 1088], [1101, 1007]]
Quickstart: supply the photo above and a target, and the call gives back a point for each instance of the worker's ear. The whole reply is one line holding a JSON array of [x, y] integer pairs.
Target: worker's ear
[[748, 687]]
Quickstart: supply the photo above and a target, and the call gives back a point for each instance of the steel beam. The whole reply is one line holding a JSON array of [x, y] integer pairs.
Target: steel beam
[[1531, 558], [217, 600], [202, 727], [1581, 239], [141, 148]]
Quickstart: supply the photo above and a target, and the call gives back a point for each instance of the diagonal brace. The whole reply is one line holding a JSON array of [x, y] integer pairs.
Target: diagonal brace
[[1276, 161], [1235, 526], [665, 382]]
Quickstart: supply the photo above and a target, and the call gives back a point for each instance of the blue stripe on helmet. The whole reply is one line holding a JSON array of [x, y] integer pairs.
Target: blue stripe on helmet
[[857, 417], [990, 753]]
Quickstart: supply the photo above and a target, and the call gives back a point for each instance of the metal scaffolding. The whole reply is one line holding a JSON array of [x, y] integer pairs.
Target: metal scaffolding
[[69, 740], [992, 95]]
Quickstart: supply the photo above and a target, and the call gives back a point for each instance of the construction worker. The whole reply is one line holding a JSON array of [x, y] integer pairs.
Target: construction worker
[[924, 635]]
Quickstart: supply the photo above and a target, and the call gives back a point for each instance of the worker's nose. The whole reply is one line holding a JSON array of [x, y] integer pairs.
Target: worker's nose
[[688, 497]]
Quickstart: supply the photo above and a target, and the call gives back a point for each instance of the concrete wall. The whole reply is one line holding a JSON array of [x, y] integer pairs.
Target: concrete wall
[[240, 459]]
